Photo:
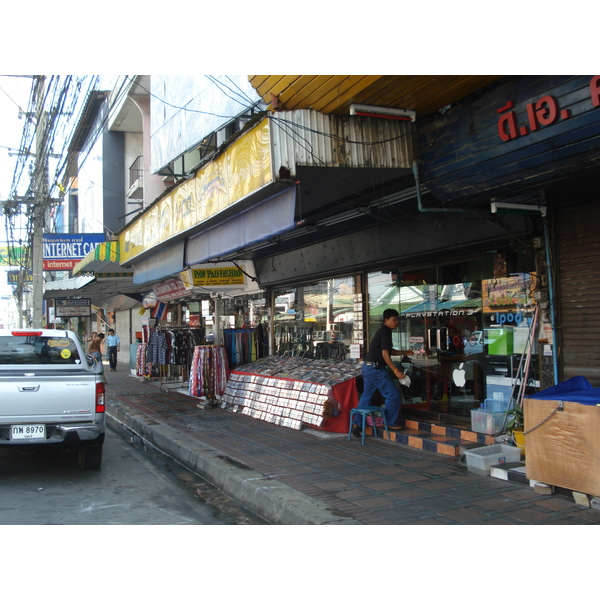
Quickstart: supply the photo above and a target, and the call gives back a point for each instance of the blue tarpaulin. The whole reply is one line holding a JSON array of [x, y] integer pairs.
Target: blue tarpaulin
[[576, 389]]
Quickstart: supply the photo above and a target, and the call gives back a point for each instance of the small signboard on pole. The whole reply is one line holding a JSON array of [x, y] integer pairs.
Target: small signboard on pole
[[73, 307]]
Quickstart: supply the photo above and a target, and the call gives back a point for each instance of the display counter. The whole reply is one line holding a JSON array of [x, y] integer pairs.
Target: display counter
[[295, 392]]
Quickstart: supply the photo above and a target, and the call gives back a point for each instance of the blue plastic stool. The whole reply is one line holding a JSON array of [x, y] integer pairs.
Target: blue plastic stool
[[368, 410]]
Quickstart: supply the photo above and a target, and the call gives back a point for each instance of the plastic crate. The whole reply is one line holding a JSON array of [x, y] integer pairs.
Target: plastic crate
[[486, 422], [378, 421], [481, 460], [496, 405]]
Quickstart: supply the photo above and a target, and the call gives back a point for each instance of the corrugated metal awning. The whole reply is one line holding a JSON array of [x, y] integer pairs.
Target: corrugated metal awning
[[335, 93]]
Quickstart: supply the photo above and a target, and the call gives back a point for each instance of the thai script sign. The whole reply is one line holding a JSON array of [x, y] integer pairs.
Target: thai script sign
[[541, 113], [505, 293], [73, 307], [14, 277], [12, 255], [169, 290]]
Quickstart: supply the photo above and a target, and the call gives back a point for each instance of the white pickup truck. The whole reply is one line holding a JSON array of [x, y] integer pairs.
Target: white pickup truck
[[50, 394]]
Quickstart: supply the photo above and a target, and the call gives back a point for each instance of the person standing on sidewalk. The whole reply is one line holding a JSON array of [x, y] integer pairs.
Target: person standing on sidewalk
[[95, 349], [114, 346], [375, 375]]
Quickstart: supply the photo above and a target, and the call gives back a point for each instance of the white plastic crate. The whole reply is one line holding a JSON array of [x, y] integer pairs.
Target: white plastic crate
[[486, 422], [481, 460]]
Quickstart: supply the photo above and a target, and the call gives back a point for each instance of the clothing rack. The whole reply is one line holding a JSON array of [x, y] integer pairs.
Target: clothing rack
[[168, 349], [209, 373]]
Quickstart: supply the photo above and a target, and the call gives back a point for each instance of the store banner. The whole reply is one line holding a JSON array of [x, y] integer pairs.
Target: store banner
[[169, 290], [62, 251], [230, 277], [12, 256], [215, 276], [243, 168]]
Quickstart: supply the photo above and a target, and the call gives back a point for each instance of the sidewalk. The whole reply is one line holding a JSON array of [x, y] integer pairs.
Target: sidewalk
[[294, 477]]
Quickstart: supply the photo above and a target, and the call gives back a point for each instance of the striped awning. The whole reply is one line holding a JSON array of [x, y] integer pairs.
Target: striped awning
[[104, 258]]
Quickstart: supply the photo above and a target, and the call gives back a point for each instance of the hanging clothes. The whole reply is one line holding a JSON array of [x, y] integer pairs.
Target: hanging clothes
[[209, 371], [241, 346]]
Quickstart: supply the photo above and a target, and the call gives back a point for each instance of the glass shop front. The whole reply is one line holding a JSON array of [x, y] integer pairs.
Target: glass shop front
[[470, 326]]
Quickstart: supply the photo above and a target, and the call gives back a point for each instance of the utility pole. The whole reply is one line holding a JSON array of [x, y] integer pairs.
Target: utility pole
[[40, 191]]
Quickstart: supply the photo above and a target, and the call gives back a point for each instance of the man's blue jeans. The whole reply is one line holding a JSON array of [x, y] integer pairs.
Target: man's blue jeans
[[379, 379]]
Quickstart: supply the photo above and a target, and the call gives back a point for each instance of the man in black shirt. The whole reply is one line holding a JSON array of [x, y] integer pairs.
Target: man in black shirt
[[375, 375]]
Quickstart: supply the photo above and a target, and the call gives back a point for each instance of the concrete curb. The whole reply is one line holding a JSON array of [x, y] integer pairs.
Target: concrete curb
[[272, 500]]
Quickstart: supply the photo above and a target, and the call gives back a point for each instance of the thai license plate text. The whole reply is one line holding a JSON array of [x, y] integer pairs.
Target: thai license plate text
[[28, 432]]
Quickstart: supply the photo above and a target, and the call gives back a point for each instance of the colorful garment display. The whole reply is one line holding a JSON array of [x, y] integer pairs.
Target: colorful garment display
[[165, 347], [209, 372], [241, 346]]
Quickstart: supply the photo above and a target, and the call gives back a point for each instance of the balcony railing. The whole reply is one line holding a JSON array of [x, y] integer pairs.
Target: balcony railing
[[136, 170]]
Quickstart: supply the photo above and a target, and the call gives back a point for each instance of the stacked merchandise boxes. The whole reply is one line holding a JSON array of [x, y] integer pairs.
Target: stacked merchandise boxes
[[292, 392]]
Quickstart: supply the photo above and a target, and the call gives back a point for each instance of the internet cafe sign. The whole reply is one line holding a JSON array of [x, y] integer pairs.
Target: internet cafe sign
[[62, 251]]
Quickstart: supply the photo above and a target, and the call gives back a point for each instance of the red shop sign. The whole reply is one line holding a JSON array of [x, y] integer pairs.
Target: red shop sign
[[541, 113]]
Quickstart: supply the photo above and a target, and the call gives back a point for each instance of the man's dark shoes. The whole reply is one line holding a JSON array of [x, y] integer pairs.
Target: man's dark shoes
[[356, 431], [395, 427]]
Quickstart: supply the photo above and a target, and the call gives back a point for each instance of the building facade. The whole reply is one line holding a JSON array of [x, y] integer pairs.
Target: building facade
[[468, 207]]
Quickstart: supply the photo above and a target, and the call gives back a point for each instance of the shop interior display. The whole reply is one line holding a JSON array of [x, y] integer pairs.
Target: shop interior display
[[288, 391]]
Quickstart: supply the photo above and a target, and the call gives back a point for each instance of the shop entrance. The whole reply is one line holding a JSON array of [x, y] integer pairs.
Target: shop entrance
[[441, 322], [443, 327], [468, 332]]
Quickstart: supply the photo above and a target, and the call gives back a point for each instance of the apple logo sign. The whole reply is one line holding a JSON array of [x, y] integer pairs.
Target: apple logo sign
[[459, 377]]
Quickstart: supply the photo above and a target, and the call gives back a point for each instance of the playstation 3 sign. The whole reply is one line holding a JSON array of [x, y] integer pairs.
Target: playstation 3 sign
[[62, 251]]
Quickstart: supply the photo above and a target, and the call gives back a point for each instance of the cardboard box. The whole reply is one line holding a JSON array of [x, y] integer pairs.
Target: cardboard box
[[565, 450]]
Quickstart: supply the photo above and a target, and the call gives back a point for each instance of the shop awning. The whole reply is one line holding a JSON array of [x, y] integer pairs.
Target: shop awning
[[108, 291], [257, 224], [66, 287], [104, 258]]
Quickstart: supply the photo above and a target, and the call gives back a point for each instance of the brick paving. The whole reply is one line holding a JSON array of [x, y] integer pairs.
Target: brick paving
[[381, 482]]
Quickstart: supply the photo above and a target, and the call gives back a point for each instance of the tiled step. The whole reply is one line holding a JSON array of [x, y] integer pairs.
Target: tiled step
[[435, 436]]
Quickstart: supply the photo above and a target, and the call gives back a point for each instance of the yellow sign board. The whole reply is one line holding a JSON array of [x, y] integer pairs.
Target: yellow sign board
[[243, 168], [214, 277], [11, 256]]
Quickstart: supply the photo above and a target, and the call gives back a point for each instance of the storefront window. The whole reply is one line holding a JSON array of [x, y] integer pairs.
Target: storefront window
[[315, 320], [467, 329]]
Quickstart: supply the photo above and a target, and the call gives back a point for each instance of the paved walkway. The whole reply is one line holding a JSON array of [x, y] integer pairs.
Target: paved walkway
[[294, 477]]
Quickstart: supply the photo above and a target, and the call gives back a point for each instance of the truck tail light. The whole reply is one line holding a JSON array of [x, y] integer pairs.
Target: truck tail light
[[100, 407], [27, 333]]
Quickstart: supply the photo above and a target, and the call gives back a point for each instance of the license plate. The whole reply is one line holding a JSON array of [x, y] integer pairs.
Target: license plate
[[28, 432]]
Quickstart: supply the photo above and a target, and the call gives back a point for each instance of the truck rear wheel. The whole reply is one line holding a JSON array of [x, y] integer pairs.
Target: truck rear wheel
[[90, 457]]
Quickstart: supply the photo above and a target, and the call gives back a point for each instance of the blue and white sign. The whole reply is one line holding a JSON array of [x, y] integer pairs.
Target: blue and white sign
[[62, 251]]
